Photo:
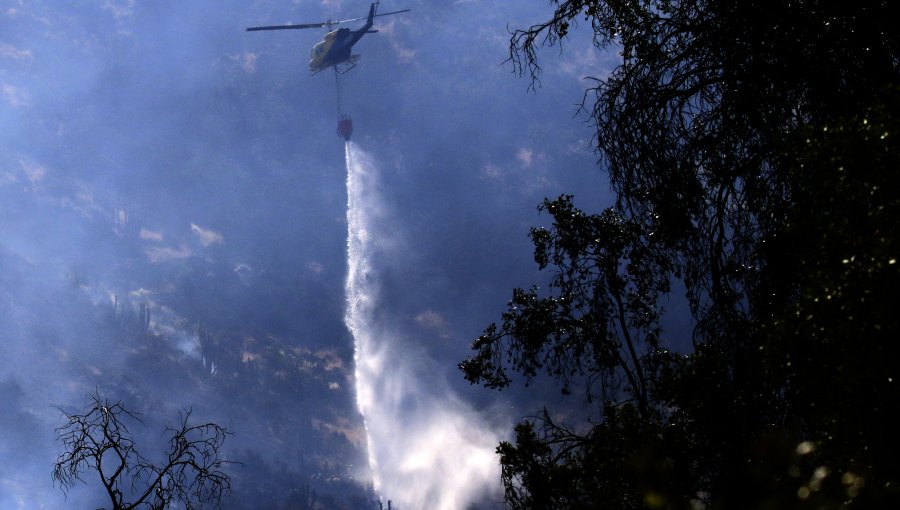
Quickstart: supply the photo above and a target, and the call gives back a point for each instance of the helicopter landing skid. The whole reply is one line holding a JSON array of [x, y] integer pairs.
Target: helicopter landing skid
[[347, 65]]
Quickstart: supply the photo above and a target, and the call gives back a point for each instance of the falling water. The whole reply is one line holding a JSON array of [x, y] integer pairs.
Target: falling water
[[427, 449], [359, 294]]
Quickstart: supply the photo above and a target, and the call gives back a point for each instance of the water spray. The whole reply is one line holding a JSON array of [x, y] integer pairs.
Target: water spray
[[359, 300], [426, 447]]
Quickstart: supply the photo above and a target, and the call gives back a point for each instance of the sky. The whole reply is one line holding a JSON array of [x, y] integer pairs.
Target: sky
[[155, 153]]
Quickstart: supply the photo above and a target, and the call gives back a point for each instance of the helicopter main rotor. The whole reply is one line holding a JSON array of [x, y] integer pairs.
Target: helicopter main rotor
[[328, 23]]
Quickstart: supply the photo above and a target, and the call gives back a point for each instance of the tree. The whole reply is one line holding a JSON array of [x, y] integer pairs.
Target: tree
[[751, 146], [597, 330], [100, 441]]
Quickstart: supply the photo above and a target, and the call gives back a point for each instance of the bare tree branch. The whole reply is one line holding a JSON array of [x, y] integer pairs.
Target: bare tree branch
[[98, 440]]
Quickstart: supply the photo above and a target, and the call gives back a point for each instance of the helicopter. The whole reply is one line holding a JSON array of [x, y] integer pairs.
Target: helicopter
[[334, 49]]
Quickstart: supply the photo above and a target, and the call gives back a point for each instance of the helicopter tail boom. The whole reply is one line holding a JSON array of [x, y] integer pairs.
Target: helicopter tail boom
[[371, 19]]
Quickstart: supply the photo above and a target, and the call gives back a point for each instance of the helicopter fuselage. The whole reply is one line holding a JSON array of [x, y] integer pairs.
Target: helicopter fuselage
[[334, 49]]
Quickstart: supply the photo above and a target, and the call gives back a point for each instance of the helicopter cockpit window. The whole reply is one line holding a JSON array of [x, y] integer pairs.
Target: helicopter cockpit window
[[317, 50]]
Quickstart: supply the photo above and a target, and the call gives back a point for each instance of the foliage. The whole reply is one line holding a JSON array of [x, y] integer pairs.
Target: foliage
[[99, 440], [602, 321], [833, 345], [751, 146]]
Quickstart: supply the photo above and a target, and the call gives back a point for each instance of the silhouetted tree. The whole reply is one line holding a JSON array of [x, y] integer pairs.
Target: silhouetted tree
[[99, 441], [752, 149]]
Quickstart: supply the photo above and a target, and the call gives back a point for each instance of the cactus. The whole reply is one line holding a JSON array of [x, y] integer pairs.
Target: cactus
[[144, 319]]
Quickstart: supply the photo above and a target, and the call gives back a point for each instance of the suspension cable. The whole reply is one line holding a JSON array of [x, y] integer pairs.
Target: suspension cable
[[337, 81]]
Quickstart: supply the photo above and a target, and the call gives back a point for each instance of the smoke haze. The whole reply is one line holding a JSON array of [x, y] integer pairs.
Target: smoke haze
[[174, 232]]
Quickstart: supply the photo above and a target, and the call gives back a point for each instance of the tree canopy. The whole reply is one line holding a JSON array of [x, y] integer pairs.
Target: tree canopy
[[751, 147]]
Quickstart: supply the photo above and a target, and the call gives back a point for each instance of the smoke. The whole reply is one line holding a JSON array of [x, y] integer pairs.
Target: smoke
[[427, 448]]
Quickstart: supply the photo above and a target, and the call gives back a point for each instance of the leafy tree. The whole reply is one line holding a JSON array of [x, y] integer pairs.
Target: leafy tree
[[99, 440], [751, 147], [833, 345]]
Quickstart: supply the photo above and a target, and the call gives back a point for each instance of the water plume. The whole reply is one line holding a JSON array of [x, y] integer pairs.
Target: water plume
[[427, 448]]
